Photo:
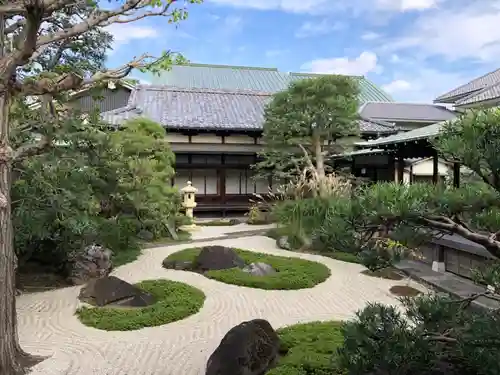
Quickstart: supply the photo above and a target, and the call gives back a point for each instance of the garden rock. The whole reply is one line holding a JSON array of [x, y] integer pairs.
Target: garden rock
[[111, 290], [259, 269], [177, 265], [250, 348], [146, 235], [234, 222], [283, 243], [217, 258], [93, 262]]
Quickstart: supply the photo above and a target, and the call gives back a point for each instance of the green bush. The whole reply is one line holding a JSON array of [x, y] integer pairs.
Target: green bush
[[434, 335], [311, 349], [292, 273], [174, 301]]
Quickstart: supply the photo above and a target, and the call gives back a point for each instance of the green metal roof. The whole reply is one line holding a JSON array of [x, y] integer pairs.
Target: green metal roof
[[269, 80], [425, 132], [369, 92]]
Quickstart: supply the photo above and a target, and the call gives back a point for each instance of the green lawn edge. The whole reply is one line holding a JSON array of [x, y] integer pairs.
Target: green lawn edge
[[174, 301], [293, 273]]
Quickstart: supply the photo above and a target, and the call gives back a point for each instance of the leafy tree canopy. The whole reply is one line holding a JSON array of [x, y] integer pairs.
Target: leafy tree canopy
[[302, 119]]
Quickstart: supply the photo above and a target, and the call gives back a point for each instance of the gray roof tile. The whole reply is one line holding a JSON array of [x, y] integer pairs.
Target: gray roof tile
[[406, 112], [489, 93], [471, 87], [183, 108]]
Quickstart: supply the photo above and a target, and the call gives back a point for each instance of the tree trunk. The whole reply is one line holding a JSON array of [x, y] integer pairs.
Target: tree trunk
[[13, 360], [320, 164]]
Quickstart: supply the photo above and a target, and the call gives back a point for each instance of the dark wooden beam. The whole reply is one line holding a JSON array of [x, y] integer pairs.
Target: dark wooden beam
[[400, 168], [435, 168], [456, 175]]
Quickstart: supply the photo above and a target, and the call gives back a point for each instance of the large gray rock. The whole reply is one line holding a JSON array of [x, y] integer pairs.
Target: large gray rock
[[259, 269], [92, 262], [217, 258], [283, 243], [111, 290], [250, 348]]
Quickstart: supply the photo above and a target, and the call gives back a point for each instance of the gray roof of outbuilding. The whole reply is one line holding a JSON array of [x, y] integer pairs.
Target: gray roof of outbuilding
[[406, 112], [185, 108], [470, 89]]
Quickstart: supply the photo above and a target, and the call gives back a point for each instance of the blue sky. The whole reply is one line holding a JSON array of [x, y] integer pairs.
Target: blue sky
[[414, 49]]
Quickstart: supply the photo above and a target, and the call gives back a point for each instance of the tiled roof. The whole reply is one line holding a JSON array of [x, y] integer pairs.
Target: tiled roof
[[470, 88], [207, 109], [413, 135], [376, 126], [406, 112], [489, 93], [249, 78]]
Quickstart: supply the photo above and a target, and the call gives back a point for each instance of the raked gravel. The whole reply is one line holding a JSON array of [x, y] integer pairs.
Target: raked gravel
[[48, 325]]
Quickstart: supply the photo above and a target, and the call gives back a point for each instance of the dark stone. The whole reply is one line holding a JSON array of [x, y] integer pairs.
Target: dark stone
[[92, 262], [217, 258], [112, 290], [250, 348], [283, 243], [234, 222], [259, 269], [146, 235], [177, 265]]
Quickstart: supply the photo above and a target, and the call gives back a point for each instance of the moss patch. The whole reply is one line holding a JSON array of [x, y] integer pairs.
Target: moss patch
[[292, 273], [311, 349], [404, 291], [174, 301]]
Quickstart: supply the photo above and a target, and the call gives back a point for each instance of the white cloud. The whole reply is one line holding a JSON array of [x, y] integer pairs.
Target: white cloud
[[396, 86], [423, 84], [125, 33], [365, 63], [406, 5], [455, 33], [319, 6], [370, 36], [310, 28]]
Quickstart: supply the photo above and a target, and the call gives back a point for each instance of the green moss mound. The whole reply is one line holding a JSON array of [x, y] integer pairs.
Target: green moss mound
[[311, 349], [293, 273], [174, 301]]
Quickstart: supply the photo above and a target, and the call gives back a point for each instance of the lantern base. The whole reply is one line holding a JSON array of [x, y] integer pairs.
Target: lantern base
[[189, 228]]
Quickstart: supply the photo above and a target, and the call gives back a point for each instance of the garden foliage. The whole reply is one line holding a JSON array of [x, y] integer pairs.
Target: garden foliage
[[95, 185]]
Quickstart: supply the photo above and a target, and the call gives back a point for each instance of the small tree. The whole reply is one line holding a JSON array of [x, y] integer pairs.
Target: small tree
[[303, 122]]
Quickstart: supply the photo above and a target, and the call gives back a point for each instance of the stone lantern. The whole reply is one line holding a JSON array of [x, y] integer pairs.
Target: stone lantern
[[189, 203]]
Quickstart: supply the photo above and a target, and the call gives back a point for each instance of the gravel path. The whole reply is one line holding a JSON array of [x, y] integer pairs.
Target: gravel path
[[48, 326]]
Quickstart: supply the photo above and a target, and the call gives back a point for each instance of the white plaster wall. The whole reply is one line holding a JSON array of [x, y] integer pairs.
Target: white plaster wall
[[425, 168], [206, 138], [239, 139]]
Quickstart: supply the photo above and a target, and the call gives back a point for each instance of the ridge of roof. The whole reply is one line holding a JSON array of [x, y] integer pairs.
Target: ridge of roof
[[199, 65]]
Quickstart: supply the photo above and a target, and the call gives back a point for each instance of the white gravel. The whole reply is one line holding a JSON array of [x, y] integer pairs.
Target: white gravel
[[48, 326]]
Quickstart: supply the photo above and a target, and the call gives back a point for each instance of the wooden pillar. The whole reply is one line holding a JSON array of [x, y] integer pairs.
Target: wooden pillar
[[401, 169], [435, 168], [392, 167], [456, 175]]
